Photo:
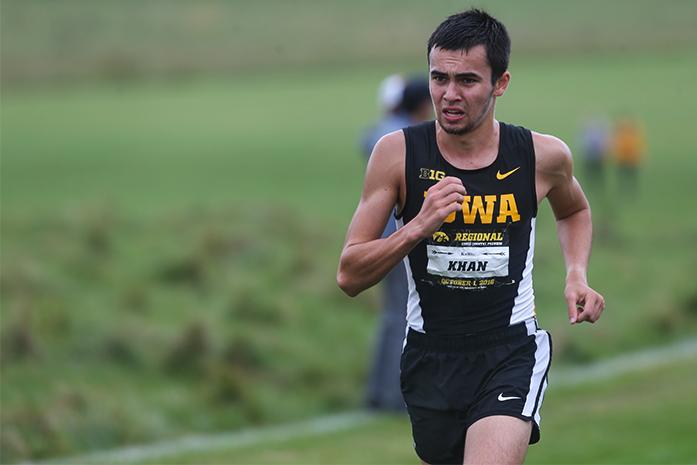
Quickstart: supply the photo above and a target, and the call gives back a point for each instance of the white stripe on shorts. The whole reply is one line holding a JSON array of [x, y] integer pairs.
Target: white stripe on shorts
[[539, 404], [538, 380]]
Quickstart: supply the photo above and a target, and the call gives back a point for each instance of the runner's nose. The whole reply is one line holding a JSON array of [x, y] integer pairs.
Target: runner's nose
[[451, 94]]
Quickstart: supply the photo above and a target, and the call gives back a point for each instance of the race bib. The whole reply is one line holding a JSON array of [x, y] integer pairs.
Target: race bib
[[467, 262], [468, 259]]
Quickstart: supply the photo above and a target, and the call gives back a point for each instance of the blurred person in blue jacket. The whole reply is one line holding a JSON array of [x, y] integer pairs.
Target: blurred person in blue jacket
[[389, 96], [404, 103], [594, 147]]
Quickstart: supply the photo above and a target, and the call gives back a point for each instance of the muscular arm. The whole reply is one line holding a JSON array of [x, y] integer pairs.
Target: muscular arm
[[555, 181], [366, 257]]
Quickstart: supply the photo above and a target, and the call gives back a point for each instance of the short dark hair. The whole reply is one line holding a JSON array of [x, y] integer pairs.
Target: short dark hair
[[463, 31]]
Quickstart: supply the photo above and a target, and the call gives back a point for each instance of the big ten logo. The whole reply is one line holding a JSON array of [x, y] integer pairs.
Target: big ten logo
[[431, 175], [484, 207]]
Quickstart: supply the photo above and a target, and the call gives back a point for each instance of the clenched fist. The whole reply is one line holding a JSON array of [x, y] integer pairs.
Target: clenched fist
[[442, 200]]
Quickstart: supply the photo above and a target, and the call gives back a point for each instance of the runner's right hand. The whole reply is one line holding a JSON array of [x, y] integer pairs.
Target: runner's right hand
[[442, 200]]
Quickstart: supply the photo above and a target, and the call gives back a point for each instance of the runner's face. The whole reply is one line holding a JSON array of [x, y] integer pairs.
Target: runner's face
[[461, 88]]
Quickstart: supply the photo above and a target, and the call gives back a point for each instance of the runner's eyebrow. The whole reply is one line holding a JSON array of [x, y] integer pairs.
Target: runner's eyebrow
[[469, 75]]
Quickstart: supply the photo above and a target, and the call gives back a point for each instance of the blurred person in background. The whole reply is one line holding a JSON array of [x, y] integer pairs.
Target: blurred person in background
[[390, 94], [594, 148], [595, 144], [413, 106], [628, 148], [467, 188]]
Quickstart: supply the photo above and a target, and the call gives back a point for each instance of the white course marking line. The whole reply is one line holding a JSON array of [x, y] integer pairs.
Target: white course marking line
[[623, 364], [230, 440], [617, 366]]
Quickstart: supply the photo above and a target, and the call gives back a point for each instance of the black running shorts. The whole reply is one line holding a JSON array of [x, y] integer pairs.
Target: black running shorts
[[448, 383]]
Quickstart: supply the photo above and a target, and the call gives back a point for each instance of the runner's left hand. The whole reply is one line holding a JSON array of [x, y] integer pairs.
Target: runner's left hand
[[584, 304]]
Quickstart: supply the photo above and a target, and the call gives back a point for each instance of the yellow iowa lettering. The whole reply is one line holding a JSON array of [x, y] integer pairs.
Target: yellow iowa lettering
[[474, 206], [508, 208], [470, 213]]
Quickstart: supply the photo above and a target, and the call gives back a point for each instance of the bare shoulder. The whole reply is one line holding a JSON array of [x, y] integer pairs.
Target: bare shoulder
[[386, 165], [389, 150], [553, 165], [552, 155]]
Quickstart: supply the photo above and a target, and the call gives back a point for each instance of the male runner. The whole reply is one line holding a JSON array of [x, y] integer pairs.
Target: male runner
[[467, 188]]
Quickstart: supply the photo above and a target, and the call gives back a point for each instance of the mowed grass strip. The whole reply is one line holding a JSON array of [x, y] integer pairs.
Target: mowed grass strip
[[645, 417]]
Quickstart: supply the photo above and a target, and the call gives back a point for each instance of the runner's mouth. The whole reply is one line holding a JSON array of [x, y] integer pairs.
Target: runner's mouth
[[453, 114]]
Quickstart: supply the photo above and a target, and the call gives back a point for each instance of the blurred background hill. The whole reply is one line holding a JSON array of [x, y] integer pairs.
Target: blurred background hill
[[177, 178], [78, 39]]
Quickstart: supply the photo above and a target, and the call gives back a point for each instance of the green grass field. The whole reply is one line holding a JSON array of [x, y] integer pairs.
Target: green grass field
[[643, 418], [128, 241], [169, 246]]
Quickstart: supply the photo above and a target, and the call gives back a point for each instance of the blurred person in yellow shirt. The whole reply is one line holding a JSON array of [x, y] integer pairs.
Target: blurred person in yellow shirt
[[628, 148]]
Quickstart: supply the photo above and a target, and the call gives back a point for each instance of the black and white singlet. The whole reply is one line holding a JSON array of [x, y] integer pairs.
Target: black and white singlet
[[475, 273]]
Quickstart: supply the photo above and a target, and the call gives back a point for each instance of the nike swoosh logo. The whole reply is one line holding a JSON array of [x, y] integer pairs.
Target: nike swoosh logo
[[502, 398], [500, 176]]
